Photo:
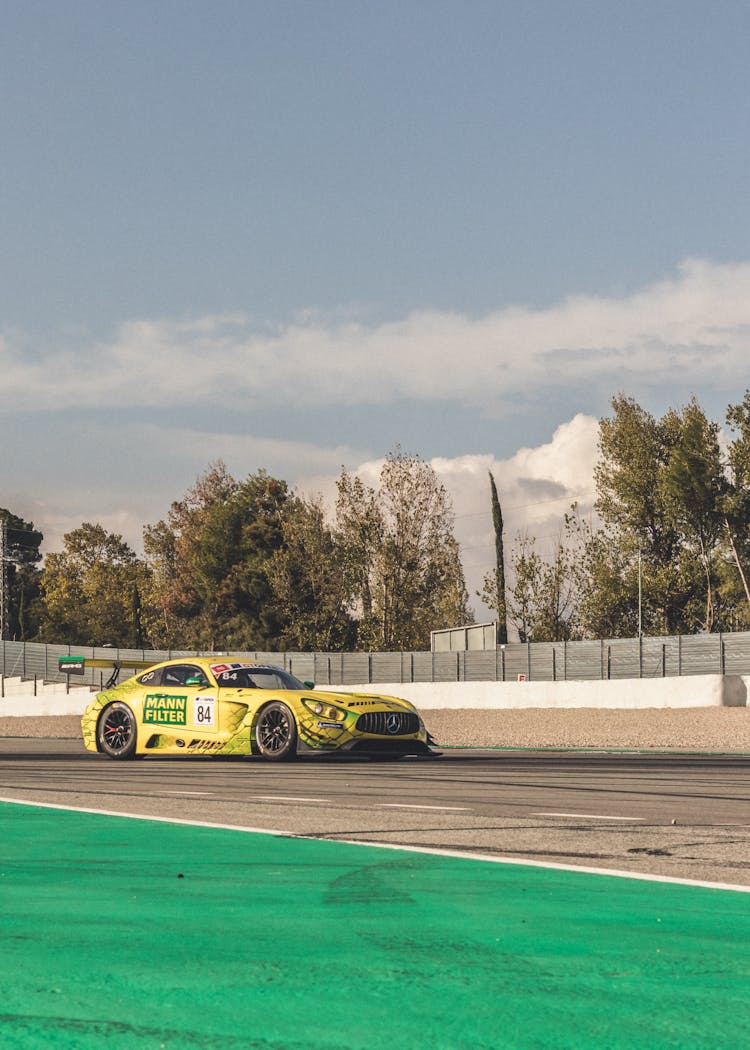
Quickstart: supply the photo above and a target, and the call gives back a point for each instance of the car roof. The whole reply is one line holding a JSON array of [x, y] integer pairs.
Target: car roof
[[217, 663]]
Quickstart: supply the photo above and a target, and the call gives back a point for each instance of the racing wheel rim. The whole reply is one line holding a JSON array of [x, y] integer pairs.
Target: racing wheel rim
[[276, 732], [117, 731]]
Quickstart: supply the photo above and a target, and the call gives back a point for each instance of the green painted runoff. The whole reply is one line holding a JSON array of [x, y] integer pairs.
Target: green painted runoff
[[125, 933]]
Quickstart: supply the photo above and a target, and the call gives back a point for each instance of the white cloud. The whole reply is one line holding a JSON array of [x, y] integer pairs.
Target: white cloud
[[536, 487], [242, 453], [151, 466], [692, 330], [696, 326]]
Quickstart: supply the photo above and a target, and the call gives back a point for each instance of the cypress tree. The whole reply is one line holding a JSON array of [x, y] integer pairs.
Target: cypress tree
[[497, 522]]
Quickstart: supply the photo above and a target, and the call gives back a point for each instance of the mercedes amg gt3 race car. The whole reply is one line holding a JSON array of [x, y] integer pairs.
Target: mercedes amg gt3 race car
[[223, 706]]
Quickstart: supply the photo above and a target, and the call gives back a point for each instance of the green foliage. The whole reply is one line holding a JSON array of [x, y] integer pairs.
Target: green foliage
[[633, 451], [663, 489], [735, 586], [312, 581], [88, 590], [399, 547], [22, 574], [246, 565], [210, 562], [695, 487], [673, 539], [542, 605]]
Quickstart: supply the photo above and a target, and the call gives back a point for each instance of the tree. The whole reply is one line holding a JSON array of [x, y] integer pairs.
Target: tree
[[493, 590], [22, 575], [638, 513], [527, 568], [695, 488], [543, 599], [404, 557], [607, 585], [359, 530], [210, 562], [312, 581], [737, 502], [88, 590], [674, 519]]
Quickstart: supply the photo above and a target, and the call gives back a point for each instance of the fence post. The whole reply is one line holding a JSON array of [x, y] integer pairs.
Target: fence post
[[663, 660], [722, 655], [554, 664], [528, 661]]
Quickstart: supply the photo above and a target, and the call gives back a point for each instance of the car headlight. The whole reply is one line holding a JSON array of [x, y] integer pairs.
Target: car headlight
[[333, 714]]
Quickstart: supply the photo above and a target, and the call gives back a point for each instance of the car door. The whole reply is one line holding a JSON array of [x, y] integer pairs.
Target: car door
[[189, 699]]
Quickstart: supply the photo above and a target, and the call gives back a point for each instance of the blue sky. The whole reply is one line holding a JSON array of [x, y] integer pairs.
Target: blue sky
[[292, 235]]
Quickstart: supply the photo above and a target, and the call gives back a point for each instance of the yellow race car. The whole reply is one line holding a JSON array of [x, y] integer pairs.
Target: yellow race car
[[225, 706]]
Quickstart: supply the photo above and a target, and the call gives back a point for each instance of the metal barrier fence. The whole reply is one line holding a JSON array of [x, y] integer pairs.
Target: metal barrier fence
[[534, 661]]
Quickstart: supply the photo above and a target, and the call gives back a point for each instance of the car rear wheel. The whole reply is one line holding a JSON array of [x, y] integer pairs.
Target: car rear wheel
[[276, 732], [116, 732]]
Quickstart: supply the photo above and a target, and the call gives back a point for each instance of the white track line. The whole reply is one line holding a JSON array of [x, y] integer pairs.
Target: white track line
[[405, 805], [585, 816], [290, 798], [458, 854]]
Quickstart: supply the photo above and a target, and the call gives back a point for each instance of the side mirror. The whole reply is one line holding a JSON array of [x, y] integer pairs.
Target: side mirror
[[309, 685]]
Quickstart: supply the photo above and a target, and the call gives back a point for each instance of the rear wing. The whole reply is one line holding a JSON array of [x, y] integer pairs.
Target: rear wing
[[78, 665]]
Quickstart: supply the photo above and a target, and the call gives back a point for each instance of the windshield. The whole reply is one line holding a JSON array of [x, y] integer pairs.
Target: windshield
[[240, 676]]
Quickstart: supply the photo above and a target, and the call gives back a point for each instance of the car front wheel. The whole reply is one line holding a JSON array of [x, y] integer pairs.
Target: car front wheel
[[116, 732], [276, 732]]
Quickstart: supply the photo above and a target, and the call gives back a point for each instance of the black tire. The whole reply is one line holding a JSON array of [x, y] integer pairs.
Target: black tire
[[276, 732], [116, 731]]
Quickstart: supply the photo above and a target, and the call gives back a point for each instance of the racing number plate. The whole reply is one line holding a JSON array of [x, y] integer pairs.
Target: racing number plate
[[204, 712]]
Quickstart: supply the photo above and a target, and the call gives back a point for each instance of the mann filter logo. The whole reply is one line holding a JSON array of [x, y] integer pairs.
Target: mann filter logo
[[164, 710]]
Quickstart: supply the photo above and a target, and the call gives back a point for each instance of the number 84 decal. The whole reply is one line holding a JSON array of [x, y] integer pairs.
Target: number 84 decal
[[204, 711]]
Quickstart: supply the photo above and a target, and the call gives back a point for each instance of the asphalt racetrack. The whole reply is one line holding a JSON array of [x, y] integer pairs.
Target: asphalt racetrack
[[675, 815], [137, 933]]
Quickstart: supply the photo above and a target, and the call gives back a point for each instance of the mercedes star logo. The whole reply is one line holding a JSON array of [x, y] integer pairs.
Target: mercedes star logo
[[392, 723]]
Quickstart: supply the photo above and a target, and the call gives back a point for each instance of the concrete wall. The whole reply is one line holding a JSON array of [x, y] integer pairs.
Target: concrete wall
[[628, 693], [23, 697]]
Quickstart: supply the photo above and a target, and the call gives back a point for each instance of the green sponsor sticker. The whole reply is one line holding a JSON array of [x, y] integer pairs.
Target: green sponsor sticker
[[165, 710], [71, 664]]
